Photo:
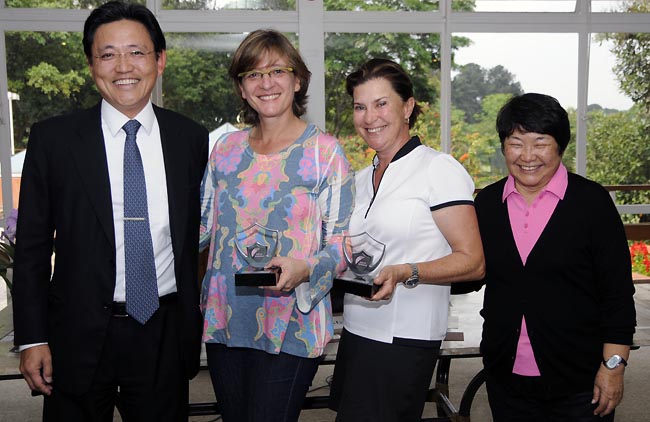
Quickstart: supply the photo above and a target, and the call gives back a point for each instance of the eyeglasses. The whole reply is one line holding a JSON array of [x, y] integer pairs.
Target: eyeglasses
[[257, 74], [133, 56]]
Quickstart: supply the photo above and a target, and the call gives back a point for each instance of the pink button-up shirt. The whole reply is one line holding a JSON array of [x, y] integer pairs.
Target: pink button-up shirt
[[527, 223]]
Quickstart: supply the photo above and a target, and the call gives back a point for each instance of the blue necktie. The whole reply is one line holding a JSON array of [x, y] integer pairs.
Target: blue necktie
[[141, 282]]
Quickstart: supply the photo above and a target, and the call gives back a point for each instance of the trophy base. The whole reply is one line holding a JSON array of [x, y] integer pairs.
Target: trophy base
[[349, 283], [257, 278]]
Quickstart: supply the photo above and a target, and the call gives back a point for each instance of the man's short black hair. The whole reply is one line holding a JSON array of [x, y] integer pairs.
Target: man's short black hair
[[116, 10]]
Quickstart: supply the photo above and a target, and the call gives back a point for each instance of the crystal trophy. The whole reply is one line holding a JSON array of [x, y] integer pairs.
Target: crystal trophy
[[363, 254], [257, 245]]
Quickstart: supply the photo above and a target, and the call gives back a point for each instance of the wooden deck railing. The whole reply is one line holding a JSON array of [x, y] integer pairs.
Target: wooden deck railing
[[634, 231]]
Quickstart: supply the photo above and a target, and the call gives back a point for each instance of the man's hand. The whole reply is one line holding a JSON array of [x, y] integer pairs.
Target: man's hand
[[36, 367], [608, 389]]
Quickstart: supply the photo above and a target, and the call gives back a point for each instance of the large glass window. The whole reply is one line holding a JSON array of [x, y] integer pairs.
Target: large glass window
[[518, 5], [618, 139], [419, 54], [387, 5], [49, 72], [196, 81], [47, 75], [230, 4], [202, 59], [629, 6], [58, 4], [486, 75]]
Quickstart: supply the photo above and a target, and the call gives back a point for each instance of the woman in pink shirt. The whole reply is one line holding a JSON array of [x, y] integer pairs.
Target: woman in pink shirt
[[558, 307]]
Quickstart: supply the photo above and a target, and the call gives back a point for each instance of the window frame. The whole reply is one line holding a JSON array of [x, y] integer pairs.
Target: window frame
[[310, 21]]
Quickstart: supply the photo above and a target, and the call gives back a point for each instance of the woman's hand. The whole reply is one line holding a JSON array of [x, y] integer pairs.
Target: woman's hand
[[388, 278], [292, 272], [608, 389]]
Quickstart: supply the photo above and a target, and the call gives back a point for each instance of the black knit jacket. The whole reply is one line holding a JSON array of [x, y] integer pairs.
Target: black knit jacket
[[575, 290]]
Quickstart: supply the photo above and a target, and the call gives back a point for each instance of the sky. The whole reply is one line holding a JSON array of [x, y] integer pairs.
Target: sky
[[547, 63]]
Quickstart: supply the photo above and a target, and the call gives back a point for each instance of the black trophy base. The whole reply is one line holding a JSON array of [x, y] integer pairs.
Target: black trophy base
[[257, 278], [349, 283]]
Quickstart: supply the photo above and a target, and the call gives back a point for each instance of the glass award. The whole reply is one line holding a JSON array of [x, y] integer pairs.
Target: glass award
[[257, 245], [363, 254]]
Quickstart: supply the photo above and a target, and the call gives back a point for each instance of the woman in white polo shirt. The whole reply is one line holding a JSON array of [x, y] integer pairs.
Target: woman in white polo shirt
[[419, 202]]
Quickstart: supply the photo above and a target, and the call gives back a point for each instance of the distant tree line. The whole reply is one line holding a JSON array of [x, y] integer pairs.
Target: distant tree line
[[49, 72]]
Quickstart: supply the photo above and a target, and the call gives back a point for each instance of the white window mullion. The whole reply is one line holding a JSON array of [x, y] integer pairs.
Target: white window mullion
[[5, 134], [312, 48], [445, 77], [583, 8]]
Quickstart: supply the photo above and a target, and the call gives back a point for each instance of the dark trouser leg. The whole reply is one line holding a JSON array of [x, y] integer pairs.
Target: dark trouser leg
[[227, 369], [525, 399], [150, 374], [143, 364], [255, 386]]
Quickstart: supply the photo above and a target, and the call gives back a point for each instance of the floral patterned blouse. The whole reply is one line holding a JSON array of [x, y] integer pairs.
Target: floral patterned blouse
[[306, 192]]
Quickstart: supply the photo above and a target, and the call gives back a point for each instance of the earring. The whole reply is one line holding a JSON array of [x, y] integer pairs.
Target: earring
[[406, 120]]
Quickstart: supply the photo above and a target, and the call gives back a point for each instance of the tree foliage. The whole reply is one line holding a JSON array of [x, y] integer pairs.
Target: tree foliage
[[618, 147], [196, 81], [632, 52], [49, 72], [473, 83], [419, 54]]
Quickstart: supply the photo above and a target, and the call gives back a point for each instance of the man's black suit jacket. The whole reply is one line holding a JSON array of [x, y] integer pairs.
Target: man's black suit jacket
[[65, 202]]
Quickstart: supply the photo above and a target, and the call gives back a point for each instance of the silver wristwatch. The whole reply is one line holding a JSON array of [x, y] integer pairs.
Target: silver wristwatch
[[414, 279], [614, 361]]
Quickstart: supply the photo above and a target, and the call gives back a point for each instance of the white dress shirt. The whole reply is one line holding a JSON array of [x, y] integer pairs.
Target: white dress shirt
[[149, 143]]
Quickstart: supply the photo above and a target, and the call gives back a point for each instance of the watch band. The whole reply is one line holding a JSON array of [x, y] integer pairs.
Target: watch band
[[414, 279], [614, 361]]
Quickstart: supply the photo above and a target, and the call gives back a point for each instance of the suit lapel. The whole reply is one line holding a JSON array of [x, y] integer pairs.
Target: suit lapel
[[176, 176], [89, 156]]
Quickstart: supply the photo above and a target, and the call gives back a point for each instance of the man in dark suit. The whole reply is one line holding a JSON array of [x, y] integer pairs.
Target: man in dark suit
[[87, 331]]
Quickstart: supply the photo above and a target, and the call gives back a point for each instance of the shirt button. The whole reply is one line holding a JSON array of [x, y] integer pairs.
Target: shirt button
[[526, 225]]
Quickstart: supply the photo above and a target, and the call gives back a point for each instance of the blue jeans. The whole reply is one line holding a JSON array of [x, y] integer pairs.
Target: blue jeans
[[524, 400], [254, 386]]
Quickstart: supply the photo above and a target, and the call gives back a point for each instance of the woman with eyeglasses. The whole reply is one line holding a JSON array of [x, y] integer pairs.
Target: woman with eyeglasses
[[280, 174]]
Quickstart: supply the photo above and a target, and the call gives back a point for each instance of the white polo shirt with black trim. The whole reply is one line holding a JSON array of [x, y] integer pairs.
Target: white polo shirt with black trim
[[419, 180]]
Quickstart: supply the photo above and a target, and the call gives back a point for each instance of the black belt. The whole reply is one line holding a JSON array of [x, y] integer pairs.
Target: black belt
[[118, 309]]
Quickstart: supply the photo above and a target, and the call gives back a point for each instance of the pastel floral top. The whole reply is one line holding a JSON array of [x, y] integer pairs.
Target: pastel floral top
[[306, 192]]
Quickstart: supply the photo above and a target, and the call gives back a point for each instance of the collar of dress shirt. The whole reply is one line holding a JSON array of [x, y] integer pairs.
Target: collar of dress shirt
[[557, 185], [115, 120]]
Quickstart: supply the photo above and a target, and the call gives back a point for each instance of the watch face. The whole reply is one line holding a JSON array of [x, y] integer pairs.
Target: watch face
[[613, 362], [411, 282]]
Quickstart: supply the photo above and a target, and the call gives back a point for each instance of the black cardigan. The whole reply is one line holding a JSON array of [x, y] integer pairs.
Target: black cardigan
[[576, 289]]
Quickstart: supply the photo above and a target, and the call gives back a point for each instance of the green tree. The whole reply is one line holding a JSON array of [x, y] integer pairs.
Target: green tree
[[473, 83], [632, 52], [618, 148], [49, 72], [480, 145], [196, 81], [419, 54]]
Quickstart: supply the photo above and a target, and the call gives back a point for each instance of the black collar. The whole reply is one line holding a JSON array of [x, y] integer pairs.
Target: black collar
[[409, 146]]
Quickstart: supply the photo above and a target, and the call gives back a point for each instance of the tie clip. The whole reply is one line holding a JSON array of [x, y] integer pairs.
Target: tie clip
[[134, 218]]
